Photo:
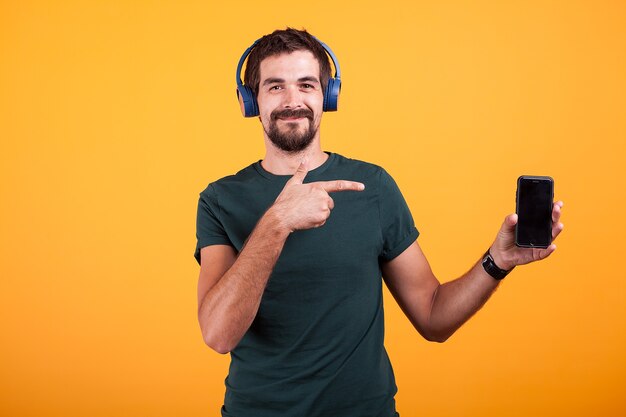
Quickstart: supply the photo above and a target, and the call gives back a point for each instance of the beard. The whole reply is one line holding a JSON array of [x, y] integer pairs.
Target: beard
[[291, 138]]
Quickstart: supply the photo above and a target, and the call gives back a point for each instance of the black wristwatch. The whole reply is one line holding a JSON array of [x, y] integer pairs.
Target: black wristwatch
[[492, 269]]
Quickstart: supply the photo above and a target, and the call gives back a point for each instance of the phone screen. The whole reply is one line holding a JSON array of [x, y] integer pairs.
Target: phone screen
[[534, 210]]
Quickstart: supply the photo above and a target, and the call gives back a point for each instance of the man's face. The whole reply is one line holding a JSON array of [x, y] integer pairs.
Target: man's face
[[290, 99]]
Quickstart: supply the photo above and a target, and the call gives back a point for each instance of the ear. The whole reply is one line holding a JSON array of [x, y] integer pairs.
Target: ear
[[331, 95], [247, 101], [242, 105]]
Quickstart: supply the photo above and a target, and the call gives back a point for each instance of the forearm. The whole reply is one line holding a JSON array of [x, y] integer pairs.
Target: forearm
[[456, 301], [229, 307], [437, 311]]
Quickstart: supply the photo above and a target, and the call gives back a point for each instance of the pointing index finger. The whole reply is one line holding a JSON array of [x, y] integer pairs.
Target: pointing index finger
[[300, 174], [340, 185]]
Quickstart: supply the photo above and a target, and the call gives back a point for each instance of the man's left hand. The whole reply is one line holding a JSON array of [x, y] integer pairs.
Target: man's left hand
[[506, 254]]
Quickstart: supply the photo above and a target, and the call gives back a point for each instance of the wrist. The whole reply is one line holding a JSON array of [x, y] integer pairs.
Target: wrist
[[276, 221], [492, 268], [500, 260]]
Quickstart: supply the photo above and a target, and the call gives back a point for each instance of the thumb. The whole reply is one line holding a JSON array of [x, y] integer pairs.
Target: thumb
[[300, 174], [506, 235], [508, 226], [510, 221]]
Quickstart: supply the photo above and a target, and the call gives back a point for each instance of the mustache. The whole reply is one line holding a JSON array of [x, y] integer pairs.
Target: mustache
[[287, 113]]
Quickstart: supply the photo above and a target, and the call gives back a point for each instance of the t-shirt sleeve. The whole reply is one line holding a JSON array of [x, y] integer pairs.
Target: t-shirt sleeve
[[209, 229], [397, 226]]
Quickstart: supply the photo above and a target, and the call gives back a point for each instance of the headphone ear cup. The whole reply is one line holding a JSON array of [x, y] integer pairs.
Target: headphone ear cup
[[331, 95], [247, 101]]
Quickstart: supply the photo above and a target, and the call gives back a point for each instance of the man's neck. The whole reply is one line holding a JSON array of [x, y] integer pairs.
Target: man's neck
[[279, 162]]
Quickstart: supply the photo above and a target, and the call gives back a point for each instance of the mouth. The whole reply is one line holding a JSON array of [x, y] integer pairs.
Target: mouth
[[292, 116]]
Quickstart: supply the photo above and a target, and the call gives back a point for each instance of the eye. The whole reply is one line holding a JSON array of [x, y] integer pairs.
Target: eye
[[275, 87], [306, 86]]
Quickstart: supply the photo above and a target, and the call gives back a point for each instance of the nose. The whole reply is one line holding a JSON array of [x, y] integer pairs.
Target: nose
[[292, 99]]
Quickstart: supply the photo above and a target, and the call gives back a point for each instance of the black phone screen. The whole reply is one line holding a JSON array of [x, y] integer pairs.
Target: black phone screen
[[534, 210]]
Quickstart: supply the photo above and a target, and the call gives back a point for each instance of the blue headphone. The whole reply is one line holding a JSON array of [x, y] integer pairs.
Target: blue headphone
[[250, 107]]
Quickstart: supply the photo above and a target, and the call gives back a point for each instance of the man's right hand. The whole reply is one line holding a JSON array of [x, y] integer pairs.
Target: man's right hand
[[305, 206]]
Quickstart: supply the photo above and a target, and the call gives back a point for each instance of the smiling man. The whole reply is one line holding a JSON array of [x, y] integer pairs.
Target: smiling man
[[293, 248]]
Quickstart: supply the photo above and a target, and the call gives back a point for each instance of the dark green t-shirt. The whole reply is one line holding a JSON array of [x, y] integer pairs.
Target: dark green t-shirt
[[315, 347]]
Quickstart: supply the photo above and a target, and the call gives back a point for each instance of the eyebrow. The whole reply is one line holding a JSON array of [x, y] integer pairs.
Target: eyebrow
[[309, 79], [281, 80]]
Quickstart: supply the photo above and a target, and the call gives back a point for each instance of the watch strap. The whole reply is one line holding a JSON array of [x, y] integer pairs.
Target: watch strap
[[492, 269]]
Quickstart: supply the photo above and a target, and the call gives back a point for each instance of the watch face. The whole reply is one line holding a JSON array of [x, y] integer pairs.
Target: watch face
[[492, 269], [488, 260]]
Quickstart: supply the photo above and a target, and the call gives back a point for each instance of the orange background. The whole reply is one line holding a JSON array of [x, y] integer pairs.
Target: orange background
[[115, 115]]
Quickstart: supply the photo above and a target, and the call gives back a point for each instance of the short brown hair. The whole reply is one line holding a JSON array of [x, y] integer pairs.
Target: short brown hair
[[280, 42]]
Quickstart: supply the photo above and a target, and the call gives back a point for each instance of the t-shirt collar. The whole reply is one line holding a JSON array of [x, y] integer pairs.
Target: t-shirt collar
[[312, 174]]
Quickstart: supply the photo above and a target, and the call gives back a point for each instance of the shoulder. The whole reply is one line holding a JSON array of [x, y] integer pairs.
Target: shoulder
[[234, 182], [363, 171], [359, 169]]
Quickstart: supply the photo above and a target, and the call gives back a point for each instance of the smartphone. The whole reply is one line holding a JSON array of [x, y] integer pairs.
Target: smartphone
[[533, 203]]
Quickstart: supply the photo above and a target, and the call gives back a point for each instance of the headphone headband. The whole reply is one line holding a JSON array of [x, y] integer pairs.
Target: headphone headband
[[332, 57], [247, 98], [242, 60]]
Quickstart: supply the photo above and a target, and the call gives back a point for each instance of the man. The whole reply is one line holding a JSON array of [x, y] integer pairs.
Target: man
[[290, 279]]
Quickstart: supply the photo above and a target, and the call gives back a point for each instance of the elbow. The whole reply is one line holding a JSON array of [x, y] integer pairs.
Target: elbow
[[215, 339], [431, 331], [437, 338], [216, 344], [221, 349]]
